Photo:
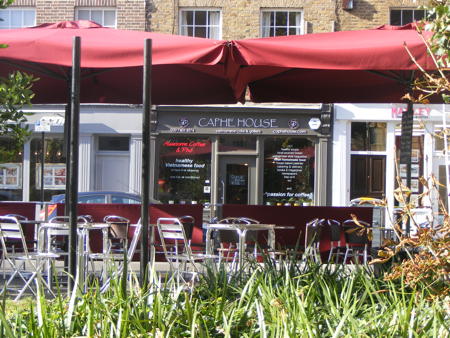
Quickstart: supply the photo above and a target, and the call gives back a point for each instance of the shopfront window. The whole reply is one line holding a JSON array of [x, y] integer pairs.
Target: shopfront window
[[54, 168], [184, 170], [288, 171], [10, 171]]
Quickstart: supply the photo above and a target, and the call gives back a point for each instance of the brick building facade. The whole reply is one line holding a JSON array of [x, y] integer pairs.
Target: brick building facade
[[237, 19]]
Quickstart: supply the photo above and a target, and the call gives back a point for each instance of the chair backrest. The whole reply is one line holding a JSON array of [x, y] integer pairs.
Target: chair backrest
[[10, 229], [19, 217], [313, 231], [335, 229], [118, 226], [134, 241], [171, 231], [354, 233], [188, 224]]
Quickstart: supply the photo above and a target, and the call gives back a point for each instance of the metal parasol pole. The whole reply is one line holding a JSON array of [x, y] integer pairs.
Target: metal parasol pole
[[145, 188], [75, 127]]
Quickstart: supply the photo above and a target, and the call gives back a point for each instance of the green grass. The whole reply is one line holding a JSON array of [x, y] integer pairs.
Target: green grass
[[290, 301]]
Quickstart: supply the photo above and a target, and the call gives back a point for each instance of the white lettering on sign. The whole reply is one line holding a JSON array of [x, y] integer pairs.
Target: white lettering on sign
[[231, 122]]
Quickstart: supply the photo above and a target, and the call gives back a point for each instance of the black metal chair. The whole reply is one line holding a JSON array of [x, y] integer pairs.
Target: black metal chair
[[336, 248], [356, 240]]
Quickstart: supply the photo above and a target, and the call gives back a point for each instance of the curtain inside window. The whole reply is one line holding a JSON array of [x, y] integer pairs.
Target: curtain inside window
[[214, 25], [265, 31]]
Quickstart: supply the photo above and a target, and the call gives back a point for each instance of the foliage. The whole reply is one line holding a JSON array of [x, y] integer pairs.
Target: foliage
[[291, 300], [430, 84], [15, 92]]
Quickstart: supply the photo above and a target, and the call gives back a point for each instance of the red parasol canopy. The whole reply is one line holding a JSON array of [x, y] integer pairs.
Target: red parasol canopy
[[348, 66], [185, 70]]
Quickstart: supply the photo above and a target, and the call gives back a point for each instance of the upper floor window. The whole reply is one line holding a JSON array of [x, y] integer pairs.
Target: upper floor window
[[400, 17], [203, 23], [103, 16], [278, 23], [17, 18]]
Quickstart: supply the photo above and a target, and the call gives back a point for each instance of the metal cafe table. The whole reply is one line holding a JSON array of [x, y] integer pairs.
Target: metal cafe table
[[241, 230], [47, 230]]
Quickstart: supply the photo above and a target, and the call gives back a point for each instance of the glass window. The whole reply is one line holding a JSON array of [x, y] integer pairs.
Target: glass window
[[92, 199], [10, 171], [202, 23], [103, 16], [17, 18], [124, 200], [113, 143], [54, 168], [237, 143], [184, 170], [368, 136], [278, 23], [288, 170], [400, 17]]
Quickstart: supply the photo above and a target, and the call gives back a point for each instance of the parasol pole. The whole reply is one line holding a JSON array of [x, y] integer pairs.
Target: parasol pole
[[74, 144], [145, 188]]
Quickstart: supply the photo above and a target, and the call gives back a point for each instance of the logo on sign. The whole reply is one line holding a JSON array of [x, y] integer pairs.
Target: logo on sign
[[293, 124], [314, 123], [184, 122]]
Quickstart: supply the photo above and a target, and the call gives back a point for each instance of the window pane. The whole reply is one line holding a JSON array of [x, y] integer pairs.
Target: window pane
[[292, 18], [110, 19], [83, 14], [29, 18], [16, 19], [4, 18], [200, 32], [237, 143], [396, 17], [187, 18], [280, 31], [368, 136], [185, 165], [288, 170], [293, 31], [214, 33], [92, 199], [97, 16], [281, 19], [200, 18], [114, 143], [419, 14], [407, 16]]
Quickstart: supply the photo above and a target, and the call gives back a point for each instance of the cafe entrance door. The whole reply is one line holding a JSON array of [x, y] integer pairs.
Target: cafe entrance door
[[237, 180]]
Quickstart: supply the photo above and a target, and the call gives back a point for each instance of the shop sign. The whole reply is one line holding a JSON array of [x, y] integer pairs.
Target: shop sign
[[239, 124], [419, 112]]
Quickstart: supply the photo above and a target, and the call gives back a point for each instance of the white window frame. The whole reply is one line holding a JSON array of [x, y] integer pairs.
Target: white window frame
[[22, 10], [402, 10], [201, 9], [102, 9], [8, 169], [300, 27]]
